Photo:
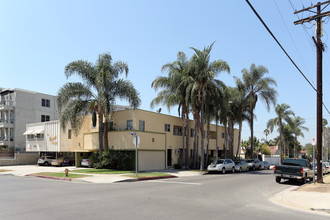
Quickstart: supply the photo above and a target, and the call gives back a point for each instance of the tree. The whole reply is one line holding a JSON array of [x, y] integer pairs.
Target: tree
[[174, 93], [266, 132], [265, 149], [283, 114], [258, 86], [203, 72], [297, 127], [96, 93]]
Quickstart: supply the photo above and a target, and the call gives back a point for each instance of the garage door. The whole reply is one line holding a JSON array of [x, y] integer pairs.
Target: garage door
[[151, 160]]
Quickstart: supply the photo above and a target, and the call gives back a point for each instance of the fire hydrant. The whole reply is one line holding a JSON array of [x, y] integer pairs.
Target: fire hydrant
[[66, 171]]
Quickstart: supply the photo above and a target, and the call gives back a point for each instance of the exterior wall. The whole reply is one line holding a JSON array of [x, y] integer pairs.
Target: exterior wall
[[54, 140], [153, 138], [26, 108], [151, 160], [21, 159]]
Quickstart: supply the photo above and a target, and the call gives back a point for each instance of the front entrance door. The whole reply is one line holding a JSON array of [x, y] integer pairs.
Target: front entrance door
[[169, 157]]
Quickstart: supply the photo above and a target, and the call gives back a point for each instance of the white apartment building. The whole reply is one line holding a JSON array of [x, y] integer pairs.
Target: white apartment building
[[20, 107]]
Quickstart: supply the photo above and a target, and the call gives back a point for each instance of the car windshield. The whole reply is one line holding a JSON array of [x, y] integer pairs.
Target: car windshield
[[250, 161], [217, 162], [237, 162]]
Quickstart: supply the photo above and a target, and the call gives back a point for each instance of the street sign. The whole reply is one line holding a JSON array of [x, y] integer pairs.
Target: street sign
[[313, 142], [136, 141]]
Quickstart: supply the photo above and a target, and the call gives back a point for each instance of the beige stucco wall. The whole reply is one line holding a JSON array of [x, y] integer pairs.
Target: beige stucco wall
[[153, 138], [21, 159], [151, 160]]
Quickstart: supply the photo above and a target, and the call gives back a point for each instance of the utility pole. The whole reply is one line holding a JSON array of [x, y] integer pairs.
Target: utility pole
[[319, 49]]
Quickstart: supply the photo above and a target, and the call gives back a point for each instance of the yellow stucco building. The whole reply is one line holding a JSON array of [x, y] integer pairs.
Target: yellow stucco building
[[160, 138]]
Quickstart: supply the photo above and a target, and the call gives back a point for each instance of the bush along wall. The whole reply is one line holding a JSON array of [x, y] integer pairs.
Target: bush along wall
[[115, 159]]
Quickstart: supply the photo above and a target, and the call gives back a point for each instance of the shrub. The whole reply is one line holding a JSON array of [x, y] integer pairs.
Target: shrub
[[114, 159], [177, 166]]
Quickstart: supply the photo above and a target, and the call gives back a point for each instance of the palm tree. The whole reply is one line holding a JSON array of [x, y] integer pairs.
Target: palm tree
[[96, 93], [266, 132], [283, 114], [203, 72], [174, 93], [297, 127], [258, 86]]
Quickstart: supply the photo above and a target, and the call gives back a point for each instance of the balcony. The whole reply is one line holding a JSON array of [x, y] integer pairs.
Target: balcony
[[5, 123], [6, 105], [5, 142]]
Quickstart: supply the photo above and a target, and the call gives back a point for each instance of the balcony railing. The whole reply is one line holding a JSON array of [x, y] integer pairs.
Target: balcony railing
[[5, 102], [2, 120]]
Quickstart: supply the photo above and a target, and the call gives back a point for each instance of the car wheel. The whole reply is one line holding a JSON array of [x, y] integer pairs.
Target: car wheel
[[268, 167], [233, 170], [254, 168], [61, 164], [46, 163], [223, 170], [305, 179], [278, 179]]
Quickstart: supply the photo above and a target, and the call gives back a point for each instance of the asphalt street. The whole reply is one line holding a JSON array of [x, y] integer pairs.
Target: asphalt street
[[213, 196]]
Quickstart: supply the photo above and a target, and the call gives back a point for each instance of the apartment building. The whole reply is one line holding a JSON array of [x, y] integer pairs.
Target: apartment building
[[160, 137], [19, 107]]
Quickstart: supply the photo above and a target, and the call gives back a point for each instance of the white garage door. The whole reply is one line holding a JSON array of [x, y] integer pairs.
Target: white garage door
[[151, 160]]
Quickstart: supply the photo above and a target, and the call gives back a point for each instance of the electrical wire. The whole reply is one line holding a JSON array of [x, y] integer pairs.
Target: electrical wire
[[270, 32]]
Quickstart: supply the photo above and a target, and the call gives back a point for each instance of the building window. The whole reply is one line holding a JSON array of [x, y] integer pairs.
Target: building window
[[69, 134], [129, 124], [223, 135], [167, 127], [192, 132], [40, 136], [153, 139], [45, 103], [141, 125], [177, 130], [45, 118]]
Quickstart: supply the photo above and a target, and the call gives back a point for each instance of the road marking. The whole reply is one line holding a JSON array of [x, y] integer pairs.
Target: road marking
[[184, 183]]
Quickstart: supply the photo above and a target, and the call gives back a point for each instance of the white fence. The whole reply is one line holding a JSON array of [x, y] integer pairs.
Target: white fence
[[271, 159]]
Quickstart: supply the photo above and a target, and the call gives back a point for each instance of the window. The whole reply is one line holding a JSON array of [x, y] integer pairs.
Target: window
[[177, 130], [45, 118], [223, 135], [129, 124], [69, 134], [167, 127], [45, 103], [141, 125], [153, 139], [192, 132], [213, 135]]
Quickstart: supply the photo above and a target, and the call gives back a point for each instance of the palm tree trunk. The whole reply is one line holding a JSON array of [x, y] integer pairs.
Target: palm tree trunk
[[251, 128], [202, 137], [187, 138], [226, 141], [100, 131], [208, 143], [195, 146], [239, 138], [281, 159], [105, 134], [231, 138], [216, 139], [183, 136]]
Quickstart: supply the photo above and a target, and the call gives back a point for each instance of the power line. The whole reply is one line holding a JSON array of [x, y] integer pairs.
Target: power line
[[270, 32]]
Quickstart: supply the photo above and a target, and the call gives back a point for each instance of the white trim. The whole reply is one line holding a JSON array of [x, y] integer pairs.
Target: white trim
[[28, 132]]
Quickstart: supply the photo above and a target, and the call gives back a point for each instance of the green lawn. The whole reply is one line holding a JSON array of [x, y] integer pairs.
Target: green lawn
[[60, 175], [149, 174], [101, 171], [5, 170]]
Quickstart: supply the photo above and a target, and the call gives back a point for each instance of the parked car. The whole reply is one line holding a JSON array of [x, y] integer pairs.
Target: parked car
[[265, 165], [323, 168], [293, 169], [254, 164], [241, 166], [327, 167], [45, 160], [222, 165], [63, 161], [86, 163]]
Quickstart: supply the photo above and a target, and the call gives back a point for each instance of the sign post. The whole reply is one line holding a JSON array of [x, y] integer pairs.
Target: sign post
[[136, 141], [313, 143]]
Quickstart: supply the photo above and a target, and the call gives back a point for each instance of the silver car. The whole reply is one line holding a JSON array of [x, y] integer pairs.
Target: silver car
[[241, 166], [222, 165], [254, 164]]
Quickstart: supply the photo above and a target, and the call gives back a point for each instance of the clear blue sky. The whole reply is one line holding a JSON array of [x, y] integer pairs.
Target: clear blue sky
[[38, 38]]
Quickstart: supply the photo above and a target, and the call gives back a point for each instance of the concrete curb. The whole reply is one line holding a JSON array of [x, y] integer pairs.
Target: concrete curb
[[155, 177], [50, 177]]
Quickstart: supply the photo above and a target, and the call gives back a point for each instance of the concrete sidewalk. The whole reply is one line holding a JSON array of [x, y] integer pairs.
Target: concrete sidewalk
[[308, 197], [25, 170]]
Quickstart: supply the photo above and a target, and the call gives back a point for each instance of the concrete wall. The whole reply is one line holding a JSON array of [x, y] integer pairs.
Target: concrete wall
[[21, 159]]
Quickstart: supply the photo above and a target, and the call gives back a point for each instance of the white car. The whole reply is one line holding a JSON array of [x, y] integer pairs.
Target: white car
[[86, 163], [222, 165], [45, 160], [327, 167]]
